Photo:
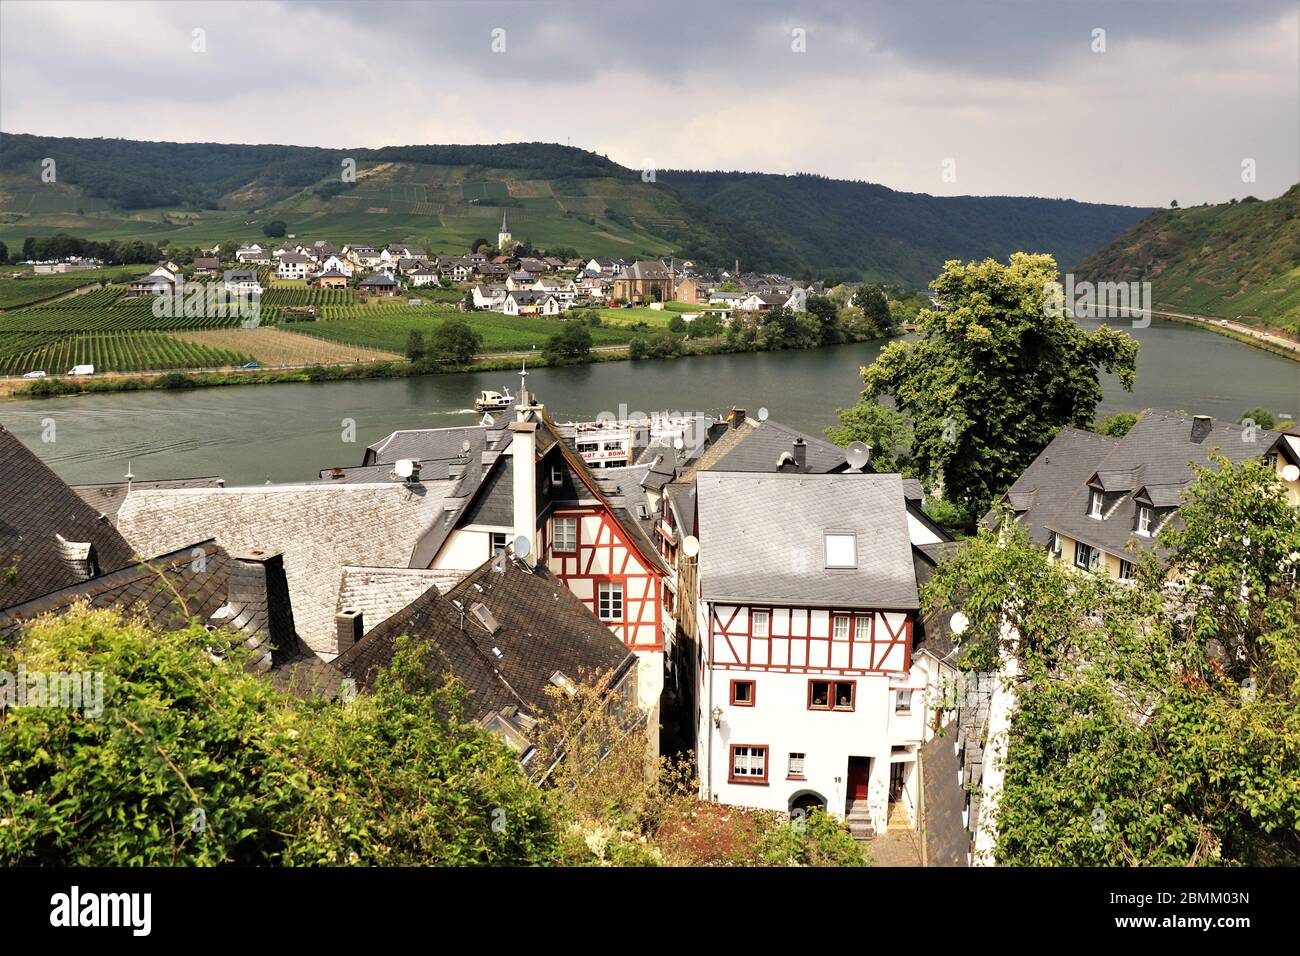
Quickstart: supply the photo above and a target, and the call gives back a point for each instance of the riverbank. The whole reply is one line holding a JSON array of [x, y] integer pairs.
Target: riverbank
[[1267, 339]]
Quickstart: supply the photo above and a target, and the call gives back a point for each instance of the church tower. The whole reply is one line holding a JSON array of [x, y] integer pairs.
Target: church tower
[[504, 245]]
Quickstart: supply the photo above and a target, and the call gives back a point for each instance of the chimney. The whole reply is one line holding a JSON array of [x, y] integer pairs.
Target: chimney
[[415, 472], [737, 417], [800, 455], [523, 445], [257, 602], [1201, 426], [349, 627], [78, 557]]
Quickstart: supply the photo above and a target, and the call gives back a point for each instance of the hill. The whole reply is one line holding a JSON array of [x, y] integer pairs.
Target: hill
[[444, 197], [1233, 261]]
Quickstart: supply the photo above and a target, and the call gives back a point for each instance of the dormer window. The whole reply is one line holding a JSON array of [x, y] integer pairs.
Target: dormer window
[[841, 549], [1095, 504], [1146, 519]]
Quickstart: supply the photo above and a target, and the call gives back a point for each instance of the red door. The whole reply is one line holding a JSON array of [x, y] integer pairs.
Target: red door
[[859, 778]]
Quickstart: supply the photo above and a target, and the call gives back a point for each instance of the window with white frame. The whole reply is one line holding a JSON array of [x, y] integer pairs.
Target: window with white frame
[[1095, 503], [566, 534], [610, 602], [760, 624], [557, 475], [748, 763], [839, 627], [841, 549], [862, 628], [498, 542], [795, 767], [1144, 520], [1125, 569], [904, 703]]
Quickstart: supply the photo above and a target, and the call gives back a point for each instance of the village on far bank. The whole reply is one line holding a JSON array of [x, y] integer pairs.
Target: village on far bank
[[323, 303]]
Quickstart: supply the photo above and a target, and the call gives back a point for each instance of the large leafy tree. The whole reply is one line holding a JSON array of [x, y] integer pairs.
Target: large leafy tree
[[994, 375], [454, 342], [1155, 724]]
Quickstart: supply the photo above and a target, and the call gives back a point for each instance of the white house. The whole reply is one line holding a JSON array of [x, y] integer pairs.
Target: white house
[[423, 277], [335, 263], [241, 282], [530, 303], [808, 693], [488, 297], [293, 265]]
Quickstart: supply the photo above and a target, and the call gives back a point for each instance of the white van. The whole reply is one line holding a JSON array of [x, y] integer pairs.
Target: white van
[[82, 370]]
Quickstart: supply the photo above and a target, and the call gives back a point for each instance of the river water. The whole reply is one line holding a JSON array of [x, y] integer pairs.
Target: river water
[[285, 432]]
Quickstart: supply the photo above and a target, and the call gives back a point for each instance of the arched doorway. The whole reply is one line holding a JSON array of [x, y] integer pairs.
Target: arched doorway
[[806, 800]]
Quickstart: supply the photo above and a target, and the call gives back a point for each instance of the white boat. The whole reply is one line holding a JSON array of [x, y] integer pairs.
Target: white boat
[[489, 401]]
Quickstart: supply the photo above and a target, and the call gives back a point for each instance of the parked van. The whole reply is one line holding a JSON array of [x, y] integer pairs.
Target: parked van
[[82, 370]]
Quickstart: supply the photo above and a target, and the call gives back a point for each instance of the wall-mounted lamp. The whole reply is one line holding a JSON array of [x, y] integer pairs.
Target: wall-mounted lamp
[[717, 716]]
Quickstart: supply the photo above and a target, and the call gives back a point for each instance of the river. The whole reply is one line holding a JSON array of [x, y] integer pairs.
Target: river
[[252, 434]]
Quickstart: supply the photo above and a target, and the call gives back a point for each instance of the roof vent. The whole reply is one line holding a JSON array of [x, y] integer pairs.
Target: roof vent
[[1201, 426]]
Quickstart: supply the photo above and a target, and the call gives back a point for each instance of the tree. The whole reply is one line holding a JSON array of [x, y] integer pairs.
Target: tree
[[885, 430], [994, 375], [196, 762], [275, 228], [480, 244], [677, 325], [1117, 425], [454, 342], [415, 345], [871, 300], [1173, 204], [1153, 725], [571, 344], [826, 315], [4, 252], [1260, 416]]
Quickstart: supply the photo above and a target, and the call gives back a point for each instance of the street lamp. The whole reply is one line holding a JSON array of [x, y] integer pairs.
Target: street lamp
[[717, 716]]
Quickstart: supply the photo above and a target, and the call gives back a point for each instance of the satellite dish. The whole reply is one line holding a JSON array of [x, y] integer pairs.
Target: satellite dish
[[522, 547], [1290, 473], [690, 546], [857, 455], [959, 623], [762, 414], [678, 443], [404, 468]]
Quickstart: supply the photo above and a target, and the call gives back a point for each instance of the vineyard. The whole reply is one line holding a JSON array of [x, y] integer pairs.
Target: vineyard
[[108, 352], [19, 292]]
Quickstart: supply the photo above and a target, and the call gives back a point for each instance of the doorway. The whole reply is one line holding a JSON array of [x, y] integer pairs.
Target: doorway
[[858, 786]]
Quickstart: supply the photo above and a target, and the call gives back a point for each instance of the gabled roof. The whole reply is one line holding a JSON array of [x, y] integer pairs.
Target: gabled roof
[[1068, 461], [1156, 454], [37, 510], [762, 540], [319, 528], [758, 446], [542, 629], [107, 497]]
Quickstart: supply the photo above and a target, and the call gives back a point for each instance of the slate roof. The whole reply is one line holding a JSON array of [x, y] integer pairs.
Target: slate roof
[[761, 539], [1154, 457], [319, 528], [758, 446], [379, 593], [36, 508], [543, 629], [1064, 465], [107, 497]]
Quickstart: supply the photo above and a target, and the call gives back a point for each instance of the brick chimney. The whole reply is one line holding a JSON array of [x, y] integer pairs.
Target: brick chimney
[[257, 602], [523, 451], [1201, 427], [350, 628]]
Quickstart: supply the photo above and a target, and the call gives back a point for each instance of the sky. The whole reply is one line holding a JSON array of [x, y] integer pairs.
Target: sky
[[1132, 102]]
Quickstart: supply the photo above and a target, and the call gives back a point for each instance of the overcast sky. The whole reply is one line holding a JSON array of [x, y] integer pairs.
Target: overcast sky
[[1010, 98]]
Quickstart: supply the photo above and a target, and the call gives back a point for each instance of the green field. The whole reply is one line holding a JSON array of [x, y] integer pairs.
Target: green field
[[25, 291], [388, 330], [108, 352]]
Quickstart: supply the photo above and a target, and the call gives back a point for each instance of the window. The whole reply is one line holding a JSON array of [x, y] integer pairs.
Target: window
[[566, 534], [904, 703], [760, 624], [1085, 556], [557, 475], [748, 764], [840, 627], [831, 695], [862, 628], [1144, 520], [794, 769], [611, 602], [498, 541], [1095, 504], [841, 550], [742, 693], [1125, 569], [1056, 545]]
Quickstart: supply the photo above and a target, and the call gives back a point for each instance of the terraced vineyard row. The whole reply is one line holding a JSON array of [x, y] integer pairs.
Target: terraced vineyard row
[[19, 292], [95, 299], [388, 329], [296, 296], [132, 319], [108, 352]]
